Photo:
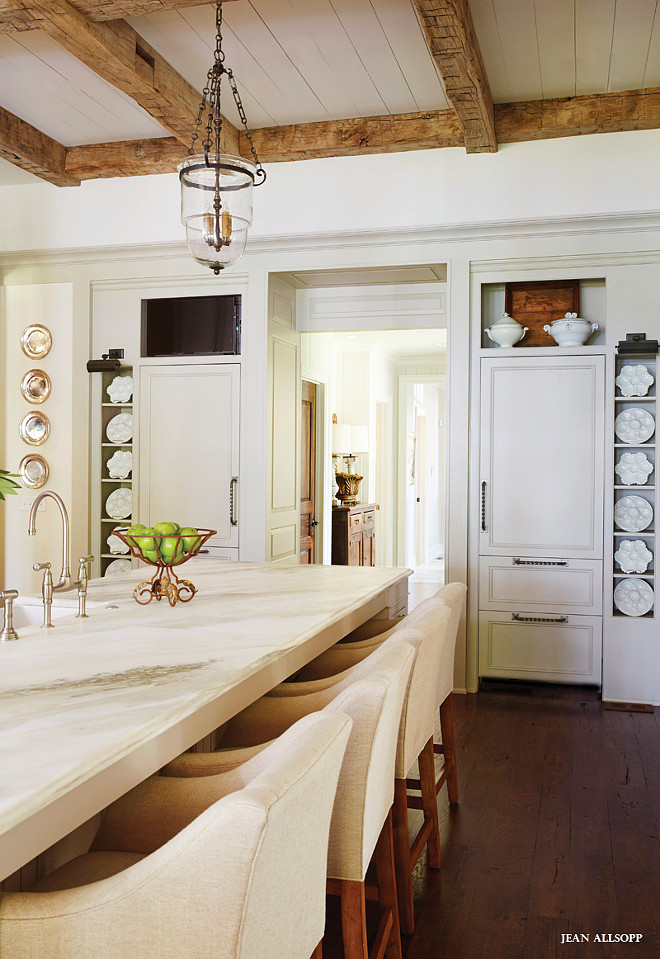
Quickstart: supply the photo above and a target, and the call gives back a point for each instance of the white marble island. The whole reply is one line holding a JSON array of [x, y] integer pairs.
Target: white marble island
[[92, 707]]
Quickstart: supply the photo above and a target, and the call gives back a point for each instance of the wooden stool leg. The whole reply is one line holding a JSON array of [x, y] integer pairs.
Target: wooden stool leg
[[318, 952], [354, 919], [430, 803], [387, 894], [449, 748], [402, 858]]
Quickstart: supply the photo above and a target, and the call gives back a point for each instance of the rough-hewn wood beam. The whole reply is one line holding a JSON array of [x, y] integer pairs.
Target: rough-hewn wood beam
[[14, 16], [388, 134], [118, 54], [28, 148], [125, 158], [577, 116], [515, 122], [453, 44]]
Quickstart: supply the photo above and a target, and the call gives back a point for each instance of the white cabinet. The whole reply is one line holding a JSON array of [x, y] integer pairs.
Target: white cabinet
[[542, 449], [189, 448], [542, 455]]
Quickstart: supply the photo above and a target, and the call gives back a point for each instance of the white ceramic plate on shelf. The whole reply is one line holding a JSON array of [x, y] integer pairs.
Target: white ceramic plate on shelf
[[120, 464], [633, 514], [633, 555], [120, 428], [121, 389], [634, 597], [119, 504], [634, 380], [117, 567], [116, 545], [634, 426], [634, 469]]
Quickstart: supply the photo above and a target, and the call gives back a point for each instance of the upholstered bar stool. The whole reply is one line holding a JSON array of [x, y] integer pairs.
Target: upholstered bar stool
[[434, 648], [372, 694], [231, 866], [368, 637]]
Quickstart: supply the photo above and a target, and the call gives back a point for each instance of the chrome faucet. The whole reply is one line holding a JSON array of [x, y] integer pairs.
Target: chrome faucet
[[46, 593], [65, 576]]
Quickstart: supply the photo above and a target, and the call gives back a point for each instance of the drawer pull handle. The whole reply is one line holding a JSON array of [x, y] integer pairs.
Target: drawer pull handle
[[539, 562], [484, 486], [517, 618]]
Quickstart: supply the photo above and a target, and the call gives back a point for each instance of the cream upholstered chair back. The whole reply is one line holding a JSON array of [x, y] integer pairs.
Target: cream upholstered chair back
[[453, 595], [366, 786], [246, 877], [430, 638], [372, 694]]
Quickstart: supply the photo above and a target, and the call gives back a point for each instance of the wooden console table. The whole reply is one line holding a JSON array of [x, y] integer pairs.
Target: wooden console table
[[353, 535]]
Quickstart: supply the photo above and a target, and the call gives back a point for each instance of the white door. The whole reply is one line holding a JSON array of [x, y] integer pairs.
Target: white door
[[542, 456], [189, 447]]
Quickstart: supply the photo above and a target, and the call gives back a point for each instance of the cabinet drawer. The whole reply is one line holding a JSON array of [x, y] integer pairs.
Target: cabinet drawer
[[538, 648], [552, 585], [356, 519], [369, 518]]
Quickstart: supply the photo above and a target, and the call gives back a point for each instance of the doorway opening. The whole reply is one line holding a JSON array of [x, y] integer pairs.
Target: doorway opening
[[390, 385]]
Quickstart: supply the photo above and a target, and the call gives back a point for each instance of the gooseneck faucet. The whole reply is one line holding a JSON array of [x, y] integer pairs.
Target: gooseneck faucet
[[65, 576]]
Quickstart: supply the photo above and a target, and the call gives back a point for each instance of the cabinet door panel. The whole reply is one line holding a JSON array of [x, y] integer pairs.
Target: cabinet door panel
[[567, 651], [189, 447], [542, 454]]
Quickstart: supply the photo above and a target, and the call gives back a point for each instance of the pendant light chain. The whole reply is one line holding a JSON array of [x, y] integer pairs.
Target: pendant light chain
[[211, 103]]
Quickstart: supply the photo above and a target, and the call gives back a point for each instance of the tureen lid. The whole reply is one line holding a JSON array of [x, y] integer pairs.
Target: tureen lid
[[506, 320], [571, 317]]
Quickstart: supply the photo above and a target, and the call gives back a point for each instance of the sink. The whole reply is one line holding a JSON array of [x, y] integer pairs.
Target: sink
[[29, 610]]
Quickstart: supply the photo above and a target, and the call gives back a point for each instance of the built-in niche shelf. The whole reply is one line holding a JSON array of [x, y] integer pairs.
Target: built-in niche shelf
[[108, 484], [646, 491]]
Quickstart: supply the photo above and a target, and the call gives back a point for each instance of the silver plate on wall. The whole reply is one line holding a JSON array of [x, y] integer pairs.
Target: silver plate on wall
[[34, 428], [34, 471], [35, 386], [36, 341]]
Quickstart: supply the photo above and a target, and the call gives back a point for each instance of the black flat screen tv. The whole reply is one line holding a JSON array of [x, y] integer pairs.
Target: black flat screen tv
[[191, 326]]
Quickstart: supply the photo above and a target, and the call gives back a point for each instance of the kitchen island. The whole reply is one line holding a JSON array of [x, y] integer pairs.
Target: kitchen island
[[93, 706]]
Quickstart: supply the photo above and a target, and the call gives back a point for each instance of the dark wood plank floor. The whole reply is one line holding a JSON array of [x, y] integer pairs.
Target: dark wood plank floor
[[556, 833]]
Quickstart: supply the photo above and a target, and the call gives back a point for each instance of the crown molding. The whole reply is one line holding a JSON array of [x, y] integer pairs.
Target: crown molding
[[486, 231]]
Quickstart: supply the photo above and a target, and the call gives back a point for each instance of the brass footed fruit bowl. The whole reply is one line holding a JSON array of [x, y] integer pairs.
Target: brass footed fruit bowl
[[164, 551]]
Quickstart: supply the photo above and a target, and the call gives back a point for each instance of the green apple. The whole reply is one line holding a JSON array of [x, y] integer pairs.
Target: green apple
[[167, 529], [146, 540], [170, 549], [151, 555], [190, 538], [132, 531]]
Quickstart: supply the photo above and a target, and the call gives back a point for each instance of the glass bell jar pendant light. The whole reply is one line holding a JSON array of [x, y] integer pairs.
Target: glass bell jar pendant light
[[216, 189]]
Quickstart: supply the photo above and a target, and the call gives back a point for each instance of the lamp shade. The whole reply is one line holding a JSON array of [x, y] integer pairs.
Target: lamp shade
[[341, 439], [359, 439]]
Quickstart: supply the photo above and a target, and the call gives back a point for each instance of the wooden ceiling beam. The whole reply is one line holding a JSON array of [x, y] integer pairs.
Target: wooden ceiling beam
[[578, 116], [118, 54], [31, 150], [386, 134], [514, 123], [15, 16], [124, 158], [450, 36]]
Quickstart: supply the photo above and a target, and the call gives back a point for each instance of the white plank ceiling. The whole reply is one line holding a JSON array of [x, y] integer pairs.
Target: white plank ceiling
[[541, 49], [298, 61], [42, 83]]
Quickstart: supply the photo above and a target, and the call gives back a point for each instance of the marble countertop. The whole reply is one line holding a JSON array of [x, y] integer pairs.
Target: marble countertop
[[89, 696]]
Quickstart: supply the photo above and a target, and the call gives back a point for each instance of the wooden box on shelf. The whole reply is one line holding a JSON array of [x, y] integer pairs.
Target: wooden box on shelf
[[536, 304], [353, 535]]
